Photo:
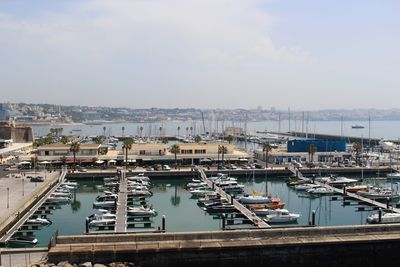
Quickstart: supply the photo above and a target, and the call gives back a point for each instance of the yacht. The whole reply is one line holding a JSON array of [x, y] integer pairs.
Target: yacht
[[254, 199], [357, 126], [105, 204], [340, 181], [377, 193], [61, 194], [139, 177], [22, 240], [70, 183], [304, 187], [385, 218], [282, 216], [101, 222], [320, 191], [356, 188], [38, 221], [139, 193], [200, 192], [58, 199], [141, 211]]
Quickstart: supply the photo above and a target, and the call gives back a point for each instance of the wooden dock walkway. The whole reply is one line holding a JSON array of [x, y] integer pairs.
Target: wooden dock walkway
[[340, 191], [241, 208], [121, 223], [15, 228]]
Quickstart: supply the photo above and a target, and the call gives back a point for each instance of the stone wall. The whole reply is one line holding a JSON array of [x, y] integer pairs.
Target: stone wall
[[19, 134]]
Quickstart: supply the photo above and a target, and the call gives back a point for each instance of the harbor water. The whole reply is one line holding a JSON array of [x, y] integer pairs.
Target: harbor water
[[183, 214]]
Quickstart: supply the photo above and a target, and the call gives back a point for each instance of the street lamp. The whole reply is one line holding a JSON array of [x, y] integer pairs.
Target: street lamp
[[8, 197]]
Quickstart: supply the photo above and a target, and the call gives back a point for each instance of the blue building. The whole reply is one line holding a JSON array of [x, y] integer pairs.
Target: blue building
[[322, 145], [4, 113]]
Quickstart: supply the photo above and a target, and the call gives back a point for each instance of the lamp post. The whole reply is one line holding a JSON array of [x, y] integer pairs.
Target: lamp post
[[8, 197], [23, 191]]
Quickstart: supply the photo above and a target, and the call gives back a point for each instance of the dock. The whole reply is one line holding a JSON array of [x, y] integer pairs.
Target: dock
[[241, 208], [342, 192], [121, 223], [24, 217]]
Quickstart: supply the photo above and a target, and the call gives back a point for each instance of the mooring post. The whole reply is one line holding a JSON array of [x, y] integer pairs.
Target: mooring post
[[232, 197], [313, 218], [380, 215], [387, 203], [223, 221], [87, 225], [163, 223], [344, 190], [313, 179], [213, 186]]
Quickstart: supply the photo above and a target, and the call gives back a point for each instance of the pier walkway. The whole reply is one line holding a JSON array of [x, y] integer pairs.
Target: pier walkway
[[25, 215], [342, 192], [121, 225], [242, 209]]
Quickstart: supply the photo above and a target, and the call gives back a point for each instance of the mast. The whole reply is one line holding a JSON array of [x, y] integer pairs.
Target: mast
[[289, 118], [341, 126], [369, 131], [279, 122]]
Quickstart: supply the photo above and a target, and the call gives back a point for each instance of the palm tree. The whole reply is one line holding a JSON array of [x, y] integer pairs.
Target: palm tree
[[175, 149], [64, 139], [187, 131], [123, 130], [74, 148], [266, 148], [141, 130], [223, 150], [311, 151], [104, 130], [191, 130], [197, 139], [179, 128], [229, 138], [127, 146], [357, 149]]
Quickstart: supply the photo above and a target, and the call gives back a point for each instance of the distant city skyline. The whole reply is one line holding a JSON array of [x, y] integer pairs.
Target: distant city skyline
[[306, 55]]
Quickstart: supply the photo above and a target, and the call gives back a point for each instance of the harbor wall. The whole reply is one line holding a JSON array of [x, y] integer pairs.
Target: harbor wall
[[319, 246], [276, 172]]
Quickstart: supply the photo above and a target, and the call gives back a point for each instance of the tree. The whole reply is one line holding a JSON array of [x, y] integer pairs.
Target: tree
[[191, 130], [175, 149], [229, 138], [64, 139], [164, 140], [160, 129], [311, 151], [197, 139], [179, 128], [187, 131], [222, 150], [123, 130], [357, 149], [127, 146], [75, 148], [104, 130], [141, 130], [266, 149]]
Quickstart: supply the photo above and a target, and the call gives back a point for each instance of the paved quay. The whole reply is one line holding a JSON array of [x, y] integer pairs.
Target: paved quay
[[17, 192]]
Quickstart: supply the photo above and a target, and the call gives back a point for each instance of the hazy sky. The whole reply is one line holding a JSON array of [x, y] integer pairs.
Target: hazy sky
[[207, 53]]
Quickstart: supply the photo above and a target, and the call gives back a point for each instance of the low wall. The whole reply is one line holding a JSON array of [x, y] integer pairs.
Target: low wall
[[320, 246]]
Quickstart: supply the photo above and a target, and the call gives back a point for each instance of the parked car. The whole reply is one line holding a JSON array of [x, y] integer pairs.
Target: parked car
[[36, 179], [166, 168], [149, 168], [82, 169]]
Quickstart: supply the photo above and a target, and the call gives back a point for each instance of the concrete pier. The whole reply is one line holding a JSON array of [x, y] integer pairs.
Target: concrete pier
[[242, 209], [120, 225]]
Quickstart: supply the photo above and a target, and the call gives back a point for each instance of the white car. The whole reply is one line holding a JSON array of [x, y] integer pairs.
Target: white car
[[166, 167]]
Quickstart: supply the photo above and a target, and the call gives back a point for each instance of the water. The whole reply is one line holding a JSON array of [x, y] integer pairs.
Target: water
[[379, 129], [182, 213]]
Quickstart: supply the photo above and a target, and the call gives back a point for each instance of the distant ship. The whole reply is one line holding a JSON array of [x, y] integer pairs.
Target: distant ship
[[357, 126]]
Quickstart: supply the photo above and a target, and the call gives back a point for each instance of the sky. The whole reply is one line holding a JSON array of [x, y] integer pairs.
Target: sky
[[306, 55]]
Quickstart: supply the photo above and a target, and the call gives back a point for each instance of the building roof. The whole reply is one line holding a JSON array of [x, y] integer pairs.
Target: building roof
[[64, 146]]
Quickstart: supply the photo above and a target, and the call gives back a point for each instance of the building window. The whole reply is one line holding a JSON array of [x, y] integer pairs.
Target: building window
[[186, 151], [46, 153], [142, 152], [200, 151]]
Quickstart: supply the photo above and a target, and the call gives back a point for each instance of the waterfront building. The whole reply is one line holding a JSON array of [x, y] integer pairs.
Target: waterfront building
[[297, 145], [57, 152]]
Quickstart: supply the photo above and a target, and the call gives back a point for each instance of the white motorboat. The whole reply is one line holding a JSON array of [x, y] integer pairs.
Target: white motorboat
[[200, 192], [22, 240], [38, 221], [58, 199], [282, 216], [195, 184], [141, 211], [139, 177], [103, 215], [61, 194], [139, 193], [102, 222], [70, 183], [304, 187], [264, 211], [104, 204], [320, 191], [138, 187], [254, 199], [378, 193], [110, 179], [385, 218], [395, 176], [340, 181]]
